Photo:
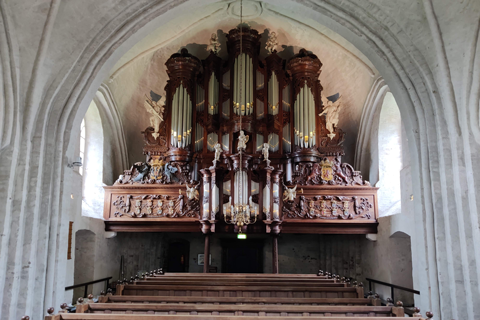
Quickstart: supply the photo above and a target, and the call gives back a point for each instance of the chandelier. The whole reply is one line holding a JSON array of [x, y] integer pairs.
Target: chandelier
[[242, 213]]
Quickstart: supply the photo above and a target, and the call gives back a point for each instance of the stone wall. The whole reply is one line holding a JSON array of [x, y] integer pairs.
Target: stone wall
[[55, 55], [299, 254]]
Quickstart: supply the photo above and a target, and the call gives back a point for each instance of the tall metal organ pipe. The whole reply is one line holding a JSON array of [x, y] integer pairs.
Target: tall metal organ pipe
[[273, 95], [246, 73], [304, 118], [213, 92], [182, 111]]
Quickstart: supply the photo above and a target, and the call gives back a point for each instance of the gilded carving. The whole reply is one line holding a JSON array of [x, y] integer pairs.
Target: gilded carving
[[157, 171], [328, 207], [327, 172], [153, 206]]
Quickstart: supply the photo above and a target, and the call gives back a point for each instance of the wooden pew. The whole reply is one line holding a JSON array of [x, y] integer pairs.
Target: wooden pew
[[236, 300], [229, 282], [249, 310], [275, 276], [93, 316], [238, 279], [242, 291]]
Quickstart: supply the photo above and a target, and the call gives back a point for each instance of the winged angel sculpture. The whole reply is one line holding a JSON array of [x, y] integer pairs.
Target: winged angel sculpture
[[155, 108], [214, 45], [290, 194], [331, 108], [192, 192]]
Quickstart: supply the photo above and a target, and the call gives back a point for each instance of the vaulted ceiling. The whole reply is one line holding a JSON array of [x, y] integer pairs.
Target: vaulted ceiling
[[345, 69]]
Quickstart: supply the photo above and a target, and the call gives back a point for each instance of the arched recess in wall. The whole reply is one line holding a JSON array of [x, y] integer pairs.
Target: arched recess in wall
[[105, 151], [378, 152], [115, 151], [84, 260], [366, 150], [401, 265]]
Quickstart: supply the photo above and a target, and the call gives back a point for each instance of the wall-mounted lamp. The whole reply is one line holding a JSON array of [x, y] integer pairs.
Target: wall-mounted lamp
[[77, 163]]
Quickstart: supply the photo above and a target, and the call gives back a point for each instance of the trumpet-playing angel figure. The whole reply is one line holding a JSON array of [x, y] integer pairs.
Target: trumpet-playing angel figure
[[332, 110], [155, 108]]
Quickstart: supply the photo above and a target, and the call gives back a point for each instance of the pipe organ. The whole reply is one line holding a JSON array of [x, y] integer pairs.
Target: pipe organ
[[247, 137]]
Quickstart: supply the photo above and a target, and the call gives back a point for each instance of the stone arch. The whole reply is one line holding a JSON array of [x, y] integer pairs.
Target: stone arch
[[378, 36], [378, 132], [116, 149], [366, 152]]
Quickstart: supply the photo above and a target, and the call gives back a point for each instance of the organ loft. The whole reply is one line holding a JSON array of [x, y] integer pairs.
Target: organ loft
[[243, 145]]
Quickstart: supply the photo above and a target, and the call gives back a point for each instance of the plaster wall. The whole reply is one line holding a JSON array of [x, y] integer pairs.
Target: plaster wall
[[101, 259], [389, 259], [298, 254], [84, 199]]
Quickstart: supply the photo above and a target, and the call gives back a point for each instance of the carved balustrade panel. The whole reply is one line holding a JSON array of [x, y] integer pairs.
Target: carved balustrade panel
[[332, 203], [150, 202]]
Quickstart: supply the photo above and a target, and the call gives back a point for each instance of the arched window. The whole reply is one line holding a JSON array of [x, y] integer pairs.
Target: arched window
[[82, 146], [390, 157], [92, 204]]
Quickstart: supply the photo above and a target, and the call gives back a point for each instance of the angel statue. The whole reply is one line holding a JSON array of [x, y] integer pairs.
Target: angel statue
[[290, 194], [272, 42], [155, 108], [331, 108], [192, 193], [214, 45], [242, 141], [218, 152], [265, 151]]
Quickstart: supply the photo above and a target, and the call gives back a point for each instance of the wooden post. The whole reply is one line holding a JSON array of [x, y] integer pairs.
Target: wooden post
[[275, 253], [206, 253]]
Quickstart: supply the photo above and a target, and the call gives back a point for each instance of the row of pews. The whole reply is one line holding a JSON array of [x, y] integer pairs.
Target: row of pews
[[202, 296]]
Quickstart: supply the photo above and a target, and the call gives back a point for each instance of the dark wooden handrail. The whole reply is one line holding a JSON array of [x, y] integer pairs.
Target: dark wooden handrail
[[86, 284], [392, 286]]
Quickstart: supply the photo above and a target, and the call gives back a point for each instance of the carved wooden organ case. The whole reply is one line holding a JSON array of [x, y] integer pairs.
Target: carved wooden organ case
[[303, 188]]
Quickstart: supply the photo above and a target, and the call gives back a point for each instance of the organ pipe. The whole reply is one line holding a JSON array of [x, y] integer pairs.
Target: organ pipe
[[273, 94], [182, 112], [213, 92], [312, 118], [304, 118], [296, 122], [241, 179], [300, 119], [243, 67]]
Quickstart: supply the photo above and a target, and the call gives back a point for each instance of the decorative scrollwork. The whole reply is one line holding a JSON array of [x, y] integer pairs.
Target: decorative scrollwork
[[156, 172], [156, 206], [327, 172], [328, 207]]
